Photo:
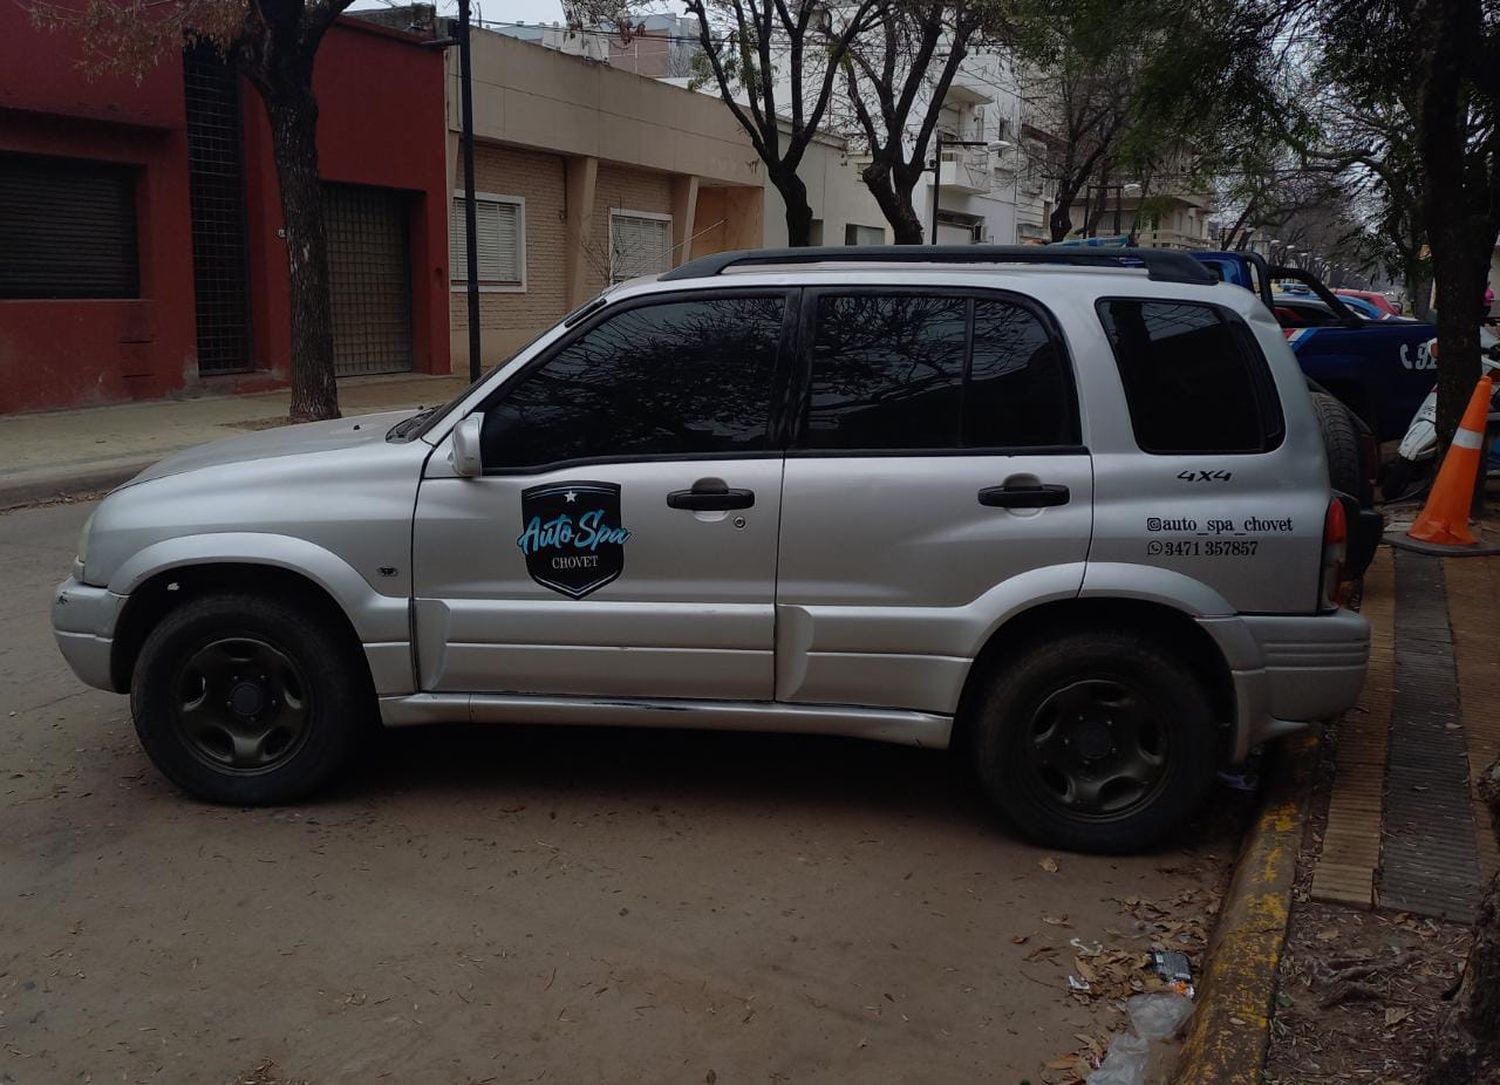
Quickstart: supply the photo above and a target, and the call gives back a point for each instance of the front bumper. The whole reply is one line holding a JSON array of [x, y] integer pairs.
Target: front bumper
[[83, 621], [1290, 670]]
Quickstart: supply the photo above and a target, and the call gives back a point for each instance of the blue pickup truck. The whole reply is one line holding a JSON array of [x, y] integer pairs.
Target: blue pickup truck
[[1380, 369]]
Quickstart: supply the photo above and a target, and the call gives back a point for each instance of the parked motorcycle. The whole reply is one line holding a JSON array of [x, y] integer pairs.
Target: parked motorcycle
[[1411, 471]]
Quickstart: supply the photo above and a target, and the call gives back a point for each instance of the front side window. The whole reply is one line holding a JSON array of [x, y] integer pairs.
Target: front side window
[[500, 243], [901, 371], [680, 379], [67, 228], [1195, 380]]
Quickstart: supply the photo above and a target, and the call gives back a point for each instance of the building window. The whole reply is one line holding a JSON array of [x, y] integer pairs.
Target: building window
[[500, 244], [863, 235], [67, 228], [640, 243]]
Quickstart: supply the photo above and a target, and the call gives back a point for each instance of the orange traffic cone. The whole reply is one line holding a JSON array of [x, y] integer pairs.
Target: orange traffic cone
[[1445, 517]]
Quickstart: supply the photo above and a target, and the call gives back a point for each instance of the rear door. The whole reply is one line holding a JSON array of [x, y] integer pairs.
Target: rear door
[[935, 471]]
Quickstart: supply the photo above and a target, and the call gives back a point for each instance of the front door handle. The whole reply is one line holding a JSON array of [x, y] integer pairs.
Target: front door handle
[[1044, 496], [711, 499]]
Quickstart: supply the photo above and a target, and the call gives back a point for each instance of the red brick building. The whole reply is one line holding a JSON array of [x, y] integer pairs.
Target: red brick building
[[140, 247]]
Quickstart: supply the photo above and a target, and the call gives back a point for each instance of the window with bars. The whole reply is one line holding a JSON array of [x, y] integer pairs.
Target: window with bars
[[500, 242], [640, 243]]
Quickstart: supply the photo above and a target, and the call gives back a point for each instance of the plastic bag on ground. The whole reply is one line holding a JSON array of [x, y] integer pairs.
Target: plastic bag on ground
[[1155, 1016]]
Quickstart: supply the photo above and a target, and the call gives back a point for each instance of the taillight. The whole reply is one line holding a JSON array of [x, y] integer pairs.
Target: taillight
[[1335, 545]]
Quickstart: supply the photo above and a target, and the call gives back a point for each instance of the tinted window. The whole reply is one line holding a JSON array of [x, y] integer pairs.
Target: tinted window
[[1018, 395], [887, 372], [895, 371], [681, 378], [1194, 381]]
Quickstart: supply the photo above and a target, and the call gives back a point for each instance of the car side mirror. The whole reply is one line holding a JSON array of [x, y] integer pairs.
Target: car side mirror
[[465, 452]]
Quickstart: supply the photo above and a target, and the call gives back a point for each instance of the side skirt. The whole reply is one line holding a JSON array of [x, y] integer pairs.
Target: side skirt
[[904, 728]]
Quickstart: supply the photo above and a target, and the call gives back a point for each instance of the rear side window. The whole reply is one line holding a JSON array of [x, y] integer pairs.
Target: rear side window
[[894, 371], [1195, 379]]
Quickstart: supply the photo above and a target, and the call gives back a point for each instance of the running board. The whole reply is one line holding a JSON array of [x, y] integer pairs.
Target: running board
[[896, 725]]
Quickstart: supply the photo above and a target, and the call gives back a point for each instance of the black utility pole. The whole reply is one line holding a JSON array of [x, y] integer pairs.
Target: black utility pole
[[466, 144], [471, 223]]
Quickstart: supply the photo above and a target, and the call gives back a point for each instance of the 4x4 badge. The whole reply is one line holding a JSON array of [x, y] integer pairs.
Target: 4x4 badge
[[572, 537]]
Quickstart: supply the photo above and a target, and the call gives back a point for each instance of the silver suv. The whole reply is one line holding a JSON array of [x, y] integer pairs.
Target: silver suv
[[1064, 511]]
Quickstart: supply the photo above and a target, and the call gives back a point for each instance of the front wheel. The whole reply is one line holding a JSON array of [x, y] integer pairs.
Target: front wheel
[[248, 700], [1095, 741]]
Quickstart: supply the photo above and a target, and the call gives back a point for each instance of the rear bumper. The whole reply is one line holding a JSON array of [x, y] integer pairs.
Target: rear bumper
[[83, 621], [1289, 671]]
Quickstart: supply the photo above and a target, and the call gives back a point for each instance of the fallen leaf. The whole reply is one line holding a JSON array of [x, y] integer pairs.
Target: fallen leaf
[[1328, 935], [1049, 864], [1019, 939], [1395, 1015], [1056, 920]]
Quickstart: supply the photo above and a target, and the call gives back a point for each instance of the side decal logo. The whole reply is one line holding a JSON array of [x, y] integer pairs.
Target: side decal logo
[[572, 537]]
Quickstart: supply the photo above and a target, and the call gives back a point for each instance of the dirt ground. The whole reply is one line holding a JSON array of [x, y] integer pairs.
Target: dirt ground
[[519, 905], [1359, 993]]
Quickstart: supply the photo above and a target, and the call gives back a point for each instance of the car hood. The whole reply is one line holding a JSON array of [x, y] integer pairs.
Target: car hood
[[309, 437]]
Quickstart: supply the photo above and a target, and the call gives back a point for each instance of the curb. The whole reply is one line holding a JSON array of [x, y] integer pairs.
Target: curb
[[14, 495], [1229, 1031]]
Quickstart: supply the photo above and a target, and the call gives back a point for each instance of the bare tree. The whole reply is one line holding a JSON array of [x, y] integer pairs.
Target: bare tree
[[745, 43], [273, 44], [900, 72]]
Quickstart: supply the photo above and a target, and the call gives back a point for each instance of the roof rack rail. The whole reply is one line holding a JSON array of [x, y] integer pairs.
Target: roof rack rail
[[1163, 265]]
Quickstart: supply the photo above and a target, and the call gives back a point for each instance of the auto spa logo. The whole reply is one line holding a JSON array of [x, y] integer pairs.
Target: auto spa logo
[[571, 536]]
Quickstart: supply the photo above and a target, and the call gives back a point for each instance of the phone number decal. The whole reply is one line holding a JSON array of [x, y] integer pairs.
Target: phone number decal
[[1202, 548]]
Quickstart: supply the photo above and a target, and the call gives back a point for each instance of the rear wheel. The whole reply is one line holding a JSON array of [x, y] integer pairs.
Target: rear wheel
[[247, 700], [1340, 443], [1095, 741]]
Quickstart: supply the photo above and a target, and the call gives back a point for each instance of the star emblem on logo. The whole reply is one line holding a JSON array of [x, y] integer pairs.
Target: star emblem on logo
[[570, 497]]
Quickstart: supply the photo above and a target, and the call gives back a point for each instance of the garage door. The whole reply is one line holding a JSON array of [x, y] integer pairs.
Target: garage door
[[369, 266]]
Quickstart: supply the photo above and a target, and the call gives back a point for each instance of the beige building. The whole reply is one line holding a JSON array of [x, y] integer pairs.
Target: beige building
[[585, 175]]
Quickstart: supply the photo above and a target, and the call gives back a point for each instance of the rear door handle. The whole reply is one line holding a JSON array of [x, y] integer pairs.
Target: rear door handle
[[716, 499], [1045, 496]]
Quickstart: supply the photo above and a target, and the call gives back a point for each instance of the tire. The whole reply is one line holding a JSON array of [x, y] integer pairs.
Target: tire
[[1340, 443], [1021, 757], [248, 700]]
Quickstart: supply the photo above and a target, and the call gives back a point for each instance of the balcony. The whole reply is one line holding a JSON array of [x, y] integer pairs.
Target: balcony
[[965, 169]]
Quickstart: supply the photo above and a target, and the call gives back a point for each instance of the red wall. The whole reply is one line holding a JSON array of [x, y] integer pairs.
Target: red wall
[[75, 352], [381, 122]]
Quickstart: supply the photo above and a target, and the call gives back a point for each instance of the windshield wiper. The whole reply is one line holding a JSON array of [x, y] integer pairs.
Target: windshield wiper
[[406, 425]]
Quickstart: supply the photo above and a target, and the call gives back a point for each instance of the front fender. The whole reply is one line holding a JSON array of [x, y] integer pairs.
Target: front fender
[[376, 618]]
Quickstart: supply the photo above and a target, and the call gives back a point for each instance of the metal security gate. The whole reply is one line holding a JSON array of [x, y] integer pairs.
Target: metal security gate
[[369, 261], [216, 189]]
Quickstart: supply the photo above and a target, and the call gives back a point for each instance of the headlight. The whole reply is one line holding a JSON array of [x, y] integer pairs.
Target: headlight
[[83, 541]]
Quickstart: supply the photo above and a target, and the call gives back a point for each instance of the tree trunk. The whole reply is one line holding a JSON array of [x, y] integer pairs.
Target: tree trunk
[[293, 113], [1467, 1049], [893, 196], [1059, 222], [1460, 302], [799, 216], [1417, 284]]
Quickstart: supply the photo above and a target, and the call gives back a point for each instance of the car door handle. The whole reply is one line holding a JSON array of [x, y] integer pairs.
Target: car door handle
[[711, 500], [1045, 496]]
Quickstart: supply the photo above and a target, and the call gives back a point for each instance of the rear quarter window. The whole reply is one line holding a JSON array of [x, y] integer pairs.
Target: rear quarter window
[[1195, 378]]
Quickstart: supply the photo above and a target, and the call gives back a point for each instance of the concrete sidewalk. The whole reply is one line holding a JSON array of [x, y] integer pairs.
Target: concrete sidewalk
[[61, 453]]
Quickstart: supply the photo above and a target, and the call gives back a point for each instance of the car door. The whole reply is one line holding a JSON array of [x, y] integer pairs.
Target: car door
[[621, 538], [935, 480]]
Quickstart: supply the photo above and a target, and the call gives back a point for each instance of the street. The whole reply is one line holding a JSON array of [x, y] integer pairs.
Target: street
[[520, 905]]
